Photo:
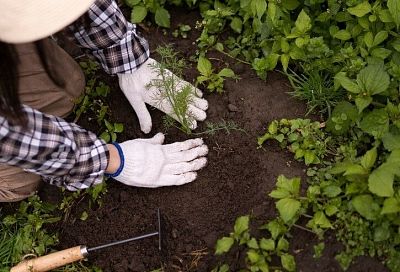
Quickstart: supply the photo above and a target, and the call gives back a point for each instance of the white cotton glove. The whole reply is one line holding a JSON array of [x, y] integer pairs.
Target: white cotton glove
[[149, 163], [134, 86]]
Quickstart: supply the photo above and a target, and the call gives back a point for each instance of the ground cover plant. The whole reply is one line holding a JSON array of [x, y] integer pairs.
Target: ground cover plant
[[255, 209]]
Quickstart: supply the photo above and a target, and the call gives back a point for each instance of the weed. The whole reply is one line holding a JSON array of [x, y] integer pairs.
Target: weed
[[182, 31], [316, 88], [215, 81]]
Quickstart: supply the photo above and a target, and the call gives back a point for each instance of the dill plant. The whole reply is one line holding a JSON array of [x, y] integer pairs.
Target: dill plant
[[171, 89]]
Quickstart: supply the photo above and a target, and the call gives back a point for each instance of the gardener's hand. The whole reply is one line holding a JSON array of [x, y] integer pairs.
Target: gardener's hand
[[149, 163], [135, 88]]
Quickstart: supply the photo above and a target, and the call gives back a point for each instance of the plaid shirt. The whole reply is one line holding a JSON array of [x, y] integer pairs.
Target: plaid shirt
[[63, 153]]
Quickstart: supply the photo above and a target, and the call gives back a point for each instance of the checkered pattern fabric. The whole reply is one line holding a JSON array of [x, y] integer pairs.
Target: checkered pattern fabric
[[64, 154], [111, 39]]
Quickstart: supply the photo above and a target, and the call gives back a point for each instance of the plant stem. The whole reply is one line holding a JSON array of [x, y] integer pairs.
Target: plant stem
[[239, 60], [303, 228]]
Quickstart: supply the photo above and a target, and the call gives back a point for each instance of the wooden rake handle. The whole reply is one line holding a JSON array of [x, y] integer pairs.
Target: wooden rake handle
[[52, 261]]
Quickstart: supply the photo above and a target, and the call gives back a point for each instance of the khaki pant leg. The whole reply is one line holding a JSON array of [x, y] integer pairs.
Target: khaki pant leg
[[38, 91]]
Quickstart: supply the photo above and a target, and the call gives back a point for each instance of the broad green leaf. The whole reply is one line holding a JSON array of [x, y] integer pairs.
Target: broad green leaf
[[391, 141], [132, 3], [343, 35], [391, 205], [380, 181], [288, 262], [267, 244], [275, 228], [380, 37], [162, 17], [204, 66], [236, 24], [366, 206], [394, 8], [321, 220], [253, 256], [381, 233], [118, 127], [369, 39], [355, 169], [375, 123], [105, 136], [361, 9], [223, 245], [279, 193], [385, 16], [373, 79], [138, 14], [258, 7], [347, 83], [285, 61], [241, 224], [288, 208], [226, 72], [369, 158], [289, 4], [290, 185], [381, 53], [309, 157], [331, 210], [252, 243], [331, 190], [303, 22], [363, 102], [283, 244]]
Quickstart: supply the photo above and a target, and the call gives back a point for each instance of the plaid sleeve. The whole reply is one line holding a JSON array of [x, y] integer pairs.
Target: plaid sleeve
[[111, 39], [63, 153]]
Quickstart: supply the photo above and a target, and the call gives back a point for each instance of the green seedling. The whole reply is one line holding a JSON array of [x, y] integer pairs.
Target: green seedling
[[213, 81], [177, 95], [182, 31], [110, 134]]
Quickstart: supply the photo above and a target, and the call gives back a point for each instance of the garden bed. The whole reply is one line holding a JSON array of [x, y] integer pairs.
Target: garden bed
[[235, 182]]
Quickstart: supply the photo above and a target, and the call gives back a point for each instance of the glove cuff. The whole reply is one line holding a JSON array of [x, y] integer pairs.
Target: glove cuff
[[122, 162]]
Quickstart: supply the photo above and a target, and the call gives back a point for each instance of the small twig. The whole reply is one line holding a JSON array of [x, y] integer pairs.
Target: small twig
[[303, 228]]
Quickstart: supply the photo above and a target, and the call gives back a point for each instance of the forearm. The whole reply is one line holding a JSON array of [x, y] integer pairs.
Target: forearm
[[62, 153], [113, 160]]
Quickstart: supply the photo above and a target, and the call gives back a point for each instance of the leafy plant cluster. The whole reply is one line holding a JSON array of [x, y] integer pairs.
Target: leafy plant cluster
[[93, 103], [24, 234]]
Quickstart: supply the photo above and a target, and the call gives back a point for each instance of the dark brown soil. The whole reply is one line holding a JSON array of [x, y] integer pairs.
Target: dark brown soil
[[235, 182]]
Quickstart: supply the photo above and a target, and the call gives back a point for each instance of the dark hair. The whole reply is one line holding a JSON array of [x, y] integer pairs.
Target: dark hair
[[10, 104]]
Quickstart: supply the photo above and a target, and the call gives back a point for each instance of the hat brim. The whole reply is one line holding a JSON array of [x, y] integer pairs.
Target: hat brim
[[28, 21]]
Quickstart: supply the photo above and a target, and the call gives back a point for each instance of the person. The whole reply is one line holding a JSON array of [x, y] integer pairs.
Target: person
[[39, 82]]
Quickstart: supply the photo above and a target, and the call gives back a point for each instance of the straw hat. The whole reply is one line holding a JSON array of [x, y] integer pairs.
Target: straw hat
[[30, 20]]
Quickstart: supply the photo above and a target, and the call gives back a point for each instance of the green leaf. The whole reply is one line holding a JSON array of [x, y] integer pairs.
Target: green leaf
[[84, 216], [375, 123], [267, 244], [138, 14], [290, 4], [118, 127], [381, 53], [288, 208], [105, 136], [369, 39], [275, 228], [369, 158], [381, 233], [347, 83], [285, 58], [162, 17], [343, 35], [252, 243], [363, 102], [288, 262], [321, 220], [241, 224], [380, 181], [204, 66], [279, 193], [380, 37], [290, 185], [366, 206], [391, 141], [223, 245], [258, 7], [373, 79], [303, 22], [283, 245], [361, 9], [226, 72], [331, 191], [394, 8], [132, 3], [355, 169], [391, 205], [253, 256], [236, 24]]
